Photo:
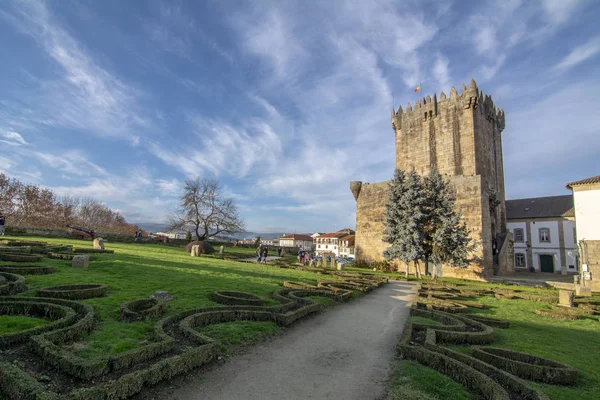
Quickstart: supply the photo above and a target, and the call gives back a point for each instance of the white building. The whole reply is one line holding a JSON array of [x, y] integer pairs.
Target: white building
[[544, 236], [346, 246], [330, 242], [586, 199], [296, 240], [176, 235], [269, 242]]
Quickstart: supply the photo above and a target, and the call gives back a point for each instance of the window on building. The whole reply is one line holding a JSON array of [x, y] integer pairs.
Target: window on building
[[571, 267], [334, 247], [519, 235], [351, 251], [545, 235], [326, 246], [519, 260]]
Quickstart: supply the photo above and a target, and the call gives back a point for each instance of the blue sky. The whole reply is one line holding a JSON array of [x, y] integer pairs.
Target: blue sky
[[284, 102]]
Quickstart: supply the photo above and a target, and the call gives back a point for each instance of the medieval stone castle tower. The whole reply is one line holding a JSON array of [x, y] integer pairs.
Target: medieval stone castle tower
[[459, 136]]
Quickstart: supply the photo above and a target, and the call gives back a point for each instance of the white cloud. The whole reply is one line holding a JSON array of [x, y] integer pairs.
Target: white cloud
[[441, 72], [86, 96], [12, 138], [170, 187], [559, 11], [72, 162], [579, 54]]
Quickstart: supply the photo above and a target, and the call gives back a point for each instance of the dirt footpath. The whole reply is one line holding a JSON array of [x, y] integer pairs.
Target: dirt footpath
[[343, 353]]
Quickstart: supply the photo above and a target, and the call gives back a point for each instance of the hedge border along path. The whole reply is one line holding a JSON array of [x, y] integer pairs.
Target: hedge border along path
[[491, 373], [61, 256], [140, 309], [21, 257], [178, 348], [74, 292], [228, 297], [87, 250], [27, 269], [11, 284], [527, 366]]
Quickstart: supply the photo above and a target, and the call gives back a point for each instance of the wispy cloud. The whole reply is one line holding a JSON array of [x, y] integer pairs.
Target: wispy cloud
[[579, 54], [12, 138], [86, 96]]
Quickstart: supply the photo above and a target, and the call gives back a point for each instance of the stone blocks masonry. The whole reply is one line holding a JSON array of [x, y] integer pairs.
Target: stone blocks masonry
[[459, 136]]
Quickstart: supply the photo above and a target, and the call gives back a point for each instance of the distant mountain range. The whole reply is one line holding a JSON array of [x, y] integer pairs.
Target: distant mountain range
[[157, 227]]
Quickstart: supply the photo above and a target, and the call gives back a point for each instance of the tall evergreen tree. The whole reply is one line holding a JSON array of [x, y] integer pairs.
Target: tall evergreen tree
[[446, 238], [404, 219]]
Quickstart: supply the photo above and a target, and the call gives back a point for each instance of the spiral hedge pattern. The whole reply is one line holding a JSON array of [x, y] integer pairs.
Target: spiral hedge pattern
[[490, 372], [178, 347]]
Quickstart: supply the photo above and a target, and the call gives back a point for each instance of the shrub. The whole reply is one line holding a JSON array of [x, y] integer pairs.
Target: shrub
[[27, 269], [140, 309], [20, 257], [237, 298], [205, 247], [73, 292]]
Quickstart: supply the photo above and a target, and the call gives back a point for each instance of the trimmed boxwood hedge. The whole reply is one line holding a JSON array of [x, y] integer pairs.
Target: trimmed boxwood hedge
[[15, 250], [12, 283], [24, 243], [73, 292], [527, 366], [558, 314], [237, 298], [82, 250], [27, 269], [141, 309], [20, 257], [61, 315], [60, 256]]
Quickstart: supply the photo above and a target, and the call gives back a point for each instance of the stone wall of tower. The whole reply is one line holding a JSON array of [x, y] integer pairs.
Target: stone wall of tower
[[459, 136]]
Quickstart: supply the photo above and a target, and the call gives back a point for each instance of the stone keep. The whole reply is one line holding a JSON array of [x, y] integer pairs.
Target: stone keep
[[459, 136]]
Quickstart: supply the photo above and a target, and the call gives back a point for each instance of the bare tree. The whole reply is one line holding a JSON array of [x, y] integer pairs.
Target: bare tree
[[205, 209]]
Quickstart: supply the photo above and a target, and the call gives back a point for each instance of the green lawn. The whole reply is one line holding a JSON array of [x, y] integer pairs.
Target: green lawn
[[571, 342], [14, 323], [136, 270]]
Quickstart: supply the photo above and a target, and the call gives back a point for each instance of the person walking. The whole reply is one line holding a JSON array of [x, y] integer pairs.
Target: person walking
[[265, 254], [2, 221], [279, 251], [258, 253]]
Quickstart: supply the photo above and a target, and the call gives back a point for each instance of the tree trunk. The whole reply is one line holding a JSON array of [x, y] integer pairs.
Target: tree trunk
[[418, 270], [406, 269], [434, 272]]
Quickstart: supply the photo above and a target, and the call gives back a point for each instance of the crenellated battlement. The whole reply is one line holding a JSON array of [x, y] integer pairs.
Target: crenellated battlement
[[428, 108]]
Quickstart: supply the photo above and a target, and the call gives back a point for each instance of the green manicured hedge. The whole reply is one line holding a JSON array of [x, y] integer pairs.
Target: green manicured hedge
[[60, 256], [73, 292], [12, 283], [50, 345], [20, 257], [61, 315], [527, 366], [82, 250], [24, 269], [237, 298], [140, 309]]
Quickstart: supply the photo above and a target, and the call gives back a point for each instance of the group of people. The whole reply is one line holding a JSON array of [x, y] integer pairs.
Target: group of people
[[138, 236], [305, 257], [2, 221], [262, 252]]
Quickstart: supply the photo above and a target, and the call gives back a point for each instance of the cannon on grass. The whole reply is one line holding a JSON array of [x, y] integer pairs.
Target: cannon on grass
[[82, 233]]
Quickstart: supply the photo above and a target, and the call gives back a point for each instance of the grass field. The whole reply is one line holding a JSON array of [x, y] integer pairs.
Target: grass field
[[137, 270], [573, 342]]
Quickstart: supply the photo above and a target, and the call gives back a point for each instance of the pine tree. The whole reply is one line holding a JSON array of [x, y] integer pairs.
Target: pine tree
[[446, 238], [404, 219]]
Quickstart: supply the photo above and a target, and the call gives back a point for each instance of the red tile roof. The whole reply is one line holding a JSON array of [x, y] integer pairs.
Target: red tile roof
[[587, 181], [296, 236]]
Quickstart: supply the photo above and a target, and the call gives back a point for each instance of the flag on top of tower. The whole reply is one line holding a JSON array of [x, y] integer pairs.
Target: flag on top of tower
[[418, 88]]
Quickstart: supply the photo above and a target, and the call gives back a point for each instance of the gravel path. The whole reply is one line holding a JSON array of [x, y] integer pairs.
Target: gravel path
[[343, 353]]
